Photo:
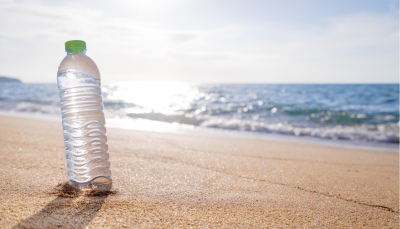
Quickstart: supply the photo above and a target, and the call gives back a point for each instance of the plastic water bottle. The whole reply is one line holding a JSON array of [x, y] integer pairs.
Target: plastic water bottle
[[83, 121]]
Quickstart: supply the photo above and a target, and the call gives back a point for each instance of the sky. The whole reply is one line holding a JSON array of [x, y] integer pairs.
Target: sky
[[210, 41]]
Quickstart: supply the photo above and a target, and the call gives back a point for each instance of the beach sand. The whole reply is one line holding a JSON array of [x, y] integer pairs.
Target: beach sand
[[180, 181]]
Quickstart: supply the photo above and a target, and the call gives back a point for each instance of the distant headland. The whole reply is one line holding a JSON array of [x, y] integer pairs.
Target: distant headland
[[4, 79]]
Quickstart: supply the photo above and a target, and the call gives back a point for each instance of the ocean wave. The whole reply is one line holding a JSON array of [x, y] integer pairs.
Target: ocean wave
[[176, 118], [384, 133], [27, 107]]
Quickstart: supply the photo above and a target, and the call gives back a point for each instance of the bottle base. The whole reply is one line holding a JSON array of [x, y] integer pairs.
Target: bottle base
[[97, 184]]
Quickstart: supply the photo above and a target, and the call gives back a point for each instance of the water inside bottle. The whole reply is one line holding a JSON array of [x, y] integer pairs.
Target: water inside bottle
[[85, 138]]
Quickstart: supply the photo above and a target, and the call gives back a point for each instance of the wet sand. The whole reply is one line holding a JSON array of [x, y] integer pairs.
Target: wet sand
[[181, 181]]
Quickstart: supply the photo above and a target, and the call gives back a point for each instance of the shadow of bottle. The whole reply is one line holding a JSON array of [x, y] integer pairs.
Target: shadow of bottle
[[71, 209]]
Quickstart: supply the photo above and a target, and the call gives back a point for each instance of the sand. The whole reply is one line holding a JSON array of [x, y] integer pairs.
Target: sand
[[182, 181]]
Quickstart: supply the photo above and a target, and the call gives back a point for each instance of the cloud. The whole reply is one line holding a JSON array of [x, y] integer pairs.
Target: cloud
[[138, 40], [199, 56], [183, 37]]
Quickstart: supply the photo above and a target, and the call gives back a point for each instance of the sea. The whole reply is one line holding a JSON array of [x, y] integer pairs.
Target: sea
[[364, 116]]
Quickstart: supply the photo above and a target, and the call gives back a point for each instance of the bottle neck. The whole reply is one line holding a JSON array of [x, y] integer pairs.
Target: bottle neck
[[76, 50]]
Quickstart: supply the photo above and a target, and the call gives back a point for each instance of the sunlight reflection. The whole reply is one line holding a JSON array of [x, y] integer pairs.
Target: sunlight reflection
[[147, 125], [151, 105], [148, 96]]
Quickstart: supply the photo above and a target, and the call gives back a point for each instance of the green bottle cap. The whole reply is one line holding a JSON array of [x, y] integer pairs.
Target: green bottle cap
[[75, 46]]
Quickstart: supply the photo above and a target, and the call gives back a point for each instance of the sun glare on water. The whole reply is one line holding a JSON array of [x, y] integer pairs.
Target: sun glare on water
[[145, 99], [157, 96]]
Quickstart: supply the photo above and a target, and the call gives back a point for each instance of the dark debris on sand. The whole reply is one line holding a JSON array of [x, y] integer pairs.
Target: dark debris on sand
[[65, 190]]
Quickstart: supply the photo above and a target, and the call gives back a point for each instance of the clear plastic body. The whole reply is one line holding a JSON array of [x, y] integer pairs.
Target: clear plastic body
[[83, 121]]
